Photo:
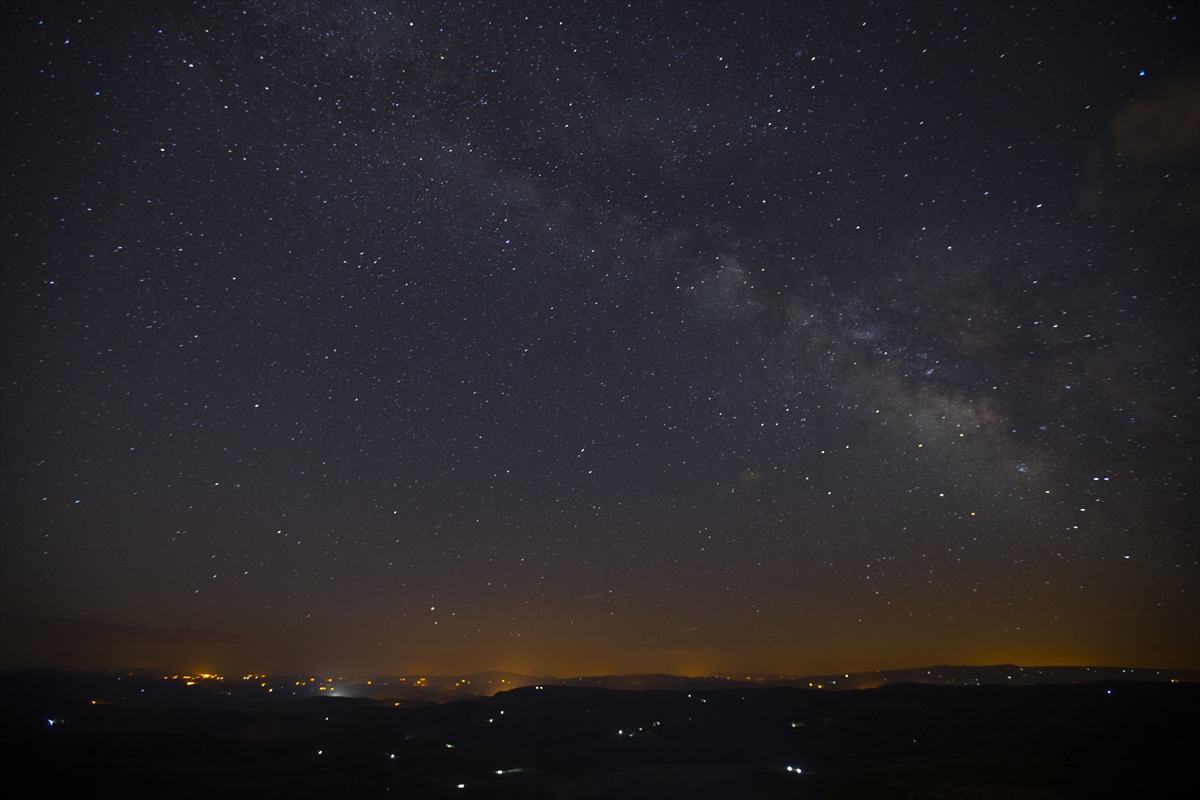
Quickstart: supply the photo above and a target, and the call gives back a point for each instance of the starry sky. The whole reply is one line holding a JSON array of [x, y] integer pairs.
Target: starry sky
[[601, 338]]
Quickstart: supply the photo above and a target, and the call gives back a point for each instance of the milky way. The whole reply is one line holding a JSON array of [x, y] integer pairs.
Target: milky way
[[599, 338]]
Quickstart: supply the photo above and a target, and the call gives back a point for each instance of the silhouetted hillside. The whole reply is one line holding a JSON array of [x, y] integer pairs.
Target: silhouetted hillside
[[1102, 740]]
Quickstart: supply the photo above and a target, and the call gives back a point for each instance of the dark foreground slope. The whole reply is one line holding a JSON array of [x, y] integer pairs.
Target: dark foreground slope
[[1112, 739]]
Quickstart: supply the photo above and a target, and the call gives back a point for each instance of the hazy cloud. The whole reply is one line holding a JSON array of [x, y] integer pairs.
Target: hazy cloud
[[85, 645]]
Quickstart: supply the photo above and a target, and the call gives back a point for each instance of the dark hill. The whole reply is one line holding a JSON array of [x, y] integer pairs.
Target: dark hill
[[1112, 739]]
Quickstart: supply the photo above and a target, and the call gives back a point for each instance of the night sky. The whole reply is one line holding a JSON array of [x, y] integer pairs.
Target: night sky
[[601, 338]]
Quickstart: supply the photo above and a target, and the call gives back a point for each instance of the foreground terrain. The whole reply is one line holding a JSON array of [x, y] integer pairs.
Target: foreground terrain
[[66, 735]]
